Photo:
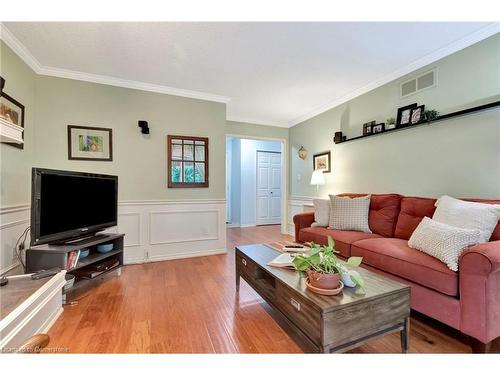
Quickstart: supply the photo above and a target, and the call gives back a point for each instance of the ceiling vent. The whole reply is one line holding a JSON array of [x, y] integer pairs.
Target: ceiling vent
[[419, 83]]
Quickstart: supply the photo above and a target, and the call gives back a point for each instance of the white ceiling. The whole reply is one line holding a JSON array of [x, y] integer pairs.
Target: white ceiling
[[271, 73]]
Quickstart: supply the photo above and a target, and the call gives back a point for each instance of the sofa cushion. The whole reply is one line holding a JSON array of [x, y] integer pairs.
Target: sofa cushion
[[384, 210], [343, 238], [393, 255], [413, 209], [496, 232]]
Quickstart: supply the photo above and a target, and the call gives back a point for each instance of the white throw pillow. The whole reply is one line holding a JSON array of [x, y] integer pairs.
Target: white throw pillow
[[349, 213], [468, 215], [321, 212], [443, 241]]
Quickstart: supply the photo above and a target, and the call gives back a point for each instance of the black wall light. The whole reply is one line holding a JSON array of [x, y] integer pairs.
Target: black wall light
[[144, 127]]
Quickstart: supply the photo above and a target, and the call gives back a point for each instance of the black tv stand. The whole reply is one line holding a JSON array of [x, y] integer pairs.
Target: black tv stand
[[51, 256]]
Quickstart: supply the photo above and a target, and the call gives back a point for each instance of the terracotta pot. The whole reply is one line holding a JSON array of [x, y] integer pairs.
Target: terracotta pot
[[323, 280]]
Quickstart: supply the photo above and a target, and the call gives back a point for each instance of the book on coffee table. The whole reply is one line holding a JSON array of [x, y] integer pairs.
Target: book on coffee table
[[282, 261]]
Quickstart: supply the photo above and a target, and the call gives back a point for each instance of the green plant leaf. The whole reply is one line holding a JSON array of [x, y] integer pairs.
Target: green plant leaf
[[300, 263], [354, 261], [331, 242], [356, 277]]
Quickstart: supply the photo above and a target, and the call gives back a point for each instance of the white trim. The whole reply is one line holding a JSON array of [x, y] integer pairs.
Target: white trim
[[233, 225], [19, 48], [432, 57], [248, 225], [14, 43], [14, 223], [139, 226], [17, 208], [9, 268], [51, 320], [188, 255], [169, 202], [284, 173]]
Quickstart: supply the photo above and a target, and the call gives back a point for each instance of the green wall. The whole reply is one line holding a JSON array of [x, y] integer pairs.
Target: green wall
[[15, 180], [459, 157], [254, 130], [138, 160]]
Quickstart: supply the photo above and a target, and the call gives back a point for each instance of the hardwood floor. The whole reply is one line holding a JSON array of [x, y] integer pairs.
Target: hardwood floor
[[190, 306]]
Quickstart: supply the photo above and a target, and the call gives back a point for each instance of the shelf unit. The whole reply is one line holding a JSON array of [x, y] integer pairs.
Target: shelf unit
[[10, 133], [448, 116]]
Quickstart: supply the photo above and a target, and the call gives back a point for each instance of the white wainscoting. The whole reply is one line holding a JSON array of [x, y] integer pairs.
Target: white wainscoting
[[13, 221], [161, 230], [297, 204], [154, 230]]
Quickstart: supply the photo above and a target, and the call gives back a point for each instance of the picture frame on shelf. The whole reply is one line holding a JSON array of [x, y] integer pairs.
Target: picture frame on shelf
[[378, 128], [322, 161], [12, 112], [367, 128], [404, 115], [90, 143], [417, 115]]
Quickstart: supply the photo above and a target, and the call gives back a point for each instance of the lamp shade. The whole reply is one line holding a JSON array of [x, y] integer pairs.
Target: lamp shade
[[318, 177]]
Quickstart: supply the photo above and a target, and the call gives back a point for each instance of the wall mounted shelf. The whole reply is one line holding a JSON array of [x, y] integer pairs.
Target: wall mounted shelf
[[447, 116], [10, 132]]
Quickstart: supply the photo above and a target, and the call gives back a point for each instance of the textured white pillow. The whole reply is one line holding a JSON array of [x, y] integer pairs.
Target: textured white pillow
[[468, 215], [349, 213], [442, 241], [321, 212]]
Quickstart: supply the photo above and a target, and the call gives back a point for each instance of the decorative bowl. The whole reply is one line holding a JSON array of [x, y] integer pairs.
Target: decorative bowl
[[84, 253], [325, 292], [104, 248]]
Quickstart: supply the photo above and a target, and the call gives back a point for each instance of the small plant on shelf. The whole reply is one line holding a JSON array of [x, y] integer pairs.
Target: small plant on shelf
[[325, 270], [430, 115]]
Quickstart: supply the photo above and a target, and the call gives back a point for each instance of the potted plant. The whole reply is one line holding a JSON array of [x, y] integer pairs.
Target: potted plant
[[325, 270]]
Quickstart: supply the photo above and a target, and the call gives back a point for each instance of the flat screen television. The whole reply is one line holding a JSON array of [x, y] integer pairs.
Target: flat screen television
[[67, 205]]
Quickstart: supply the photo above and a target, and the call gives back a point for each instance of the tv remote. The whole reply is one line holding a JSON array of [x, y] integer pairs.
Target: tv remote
[[44, 273], [294, 246]]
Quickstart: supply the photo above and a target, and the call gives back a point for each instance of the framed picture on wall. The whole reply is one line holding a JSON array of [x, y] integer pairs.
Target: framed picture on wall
[[322, 162], [90, 143], [13, 112]]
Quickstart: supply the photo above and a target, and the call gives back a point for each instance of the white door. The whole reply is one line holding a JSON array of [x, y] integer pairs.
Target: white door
[[268, 187]]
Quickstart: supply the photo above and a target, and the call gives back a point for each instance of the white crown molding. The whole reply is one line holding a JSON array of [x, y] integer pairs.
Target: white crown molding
[[451, 48], [260, 122], [34, 64], [19, 48]]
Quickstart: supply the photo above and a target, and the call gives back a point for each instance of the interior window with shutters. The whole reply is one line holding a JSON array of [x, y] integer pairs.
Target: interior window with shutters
[[187, 161]]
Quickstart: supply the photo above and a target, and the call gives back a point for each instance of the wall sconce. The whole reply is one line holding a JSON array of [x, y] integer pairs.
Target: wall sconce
[[302, 153], [144, 127]]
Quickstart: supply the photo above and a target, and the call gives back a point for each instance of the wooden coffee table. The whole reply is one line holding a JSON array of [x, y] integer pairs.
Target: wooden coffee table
[[326, 324]]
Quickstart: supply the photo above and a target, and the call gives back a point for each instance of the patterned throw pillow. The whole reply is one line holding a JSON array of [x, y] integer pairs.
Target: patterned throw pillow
[[321, 212], [468, 215], [442, 241], [349, 213]]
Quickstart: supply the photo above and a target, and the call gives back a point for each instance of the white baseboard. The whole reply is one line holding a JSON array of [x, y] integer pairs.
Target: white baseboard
[[188, 255], [233, 225]]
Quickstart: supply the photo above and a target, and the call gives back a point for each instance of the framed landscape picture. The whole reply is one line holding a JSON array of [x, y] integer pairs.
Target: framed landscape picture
[[89, 143], [12, 111], [322, 162]]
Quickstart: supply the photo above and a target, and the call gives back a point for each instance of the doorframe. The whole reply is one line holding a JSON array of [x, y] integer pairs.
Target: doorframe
[[284, 173], [257, 182]]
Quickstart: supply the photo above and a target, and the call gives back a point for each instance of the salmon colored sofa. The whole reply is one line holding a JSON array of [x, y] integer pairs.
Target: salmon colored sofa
[[467, 300]]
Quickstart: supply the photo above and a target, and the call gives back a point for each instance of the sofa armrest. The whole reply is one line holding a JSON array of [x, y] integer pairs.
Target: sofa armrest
[[479, 268], [302, 220]]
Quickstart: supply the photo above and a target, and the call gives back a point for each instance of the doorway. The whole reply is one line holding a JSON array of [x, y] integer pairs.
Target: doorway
[[254, 181]]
